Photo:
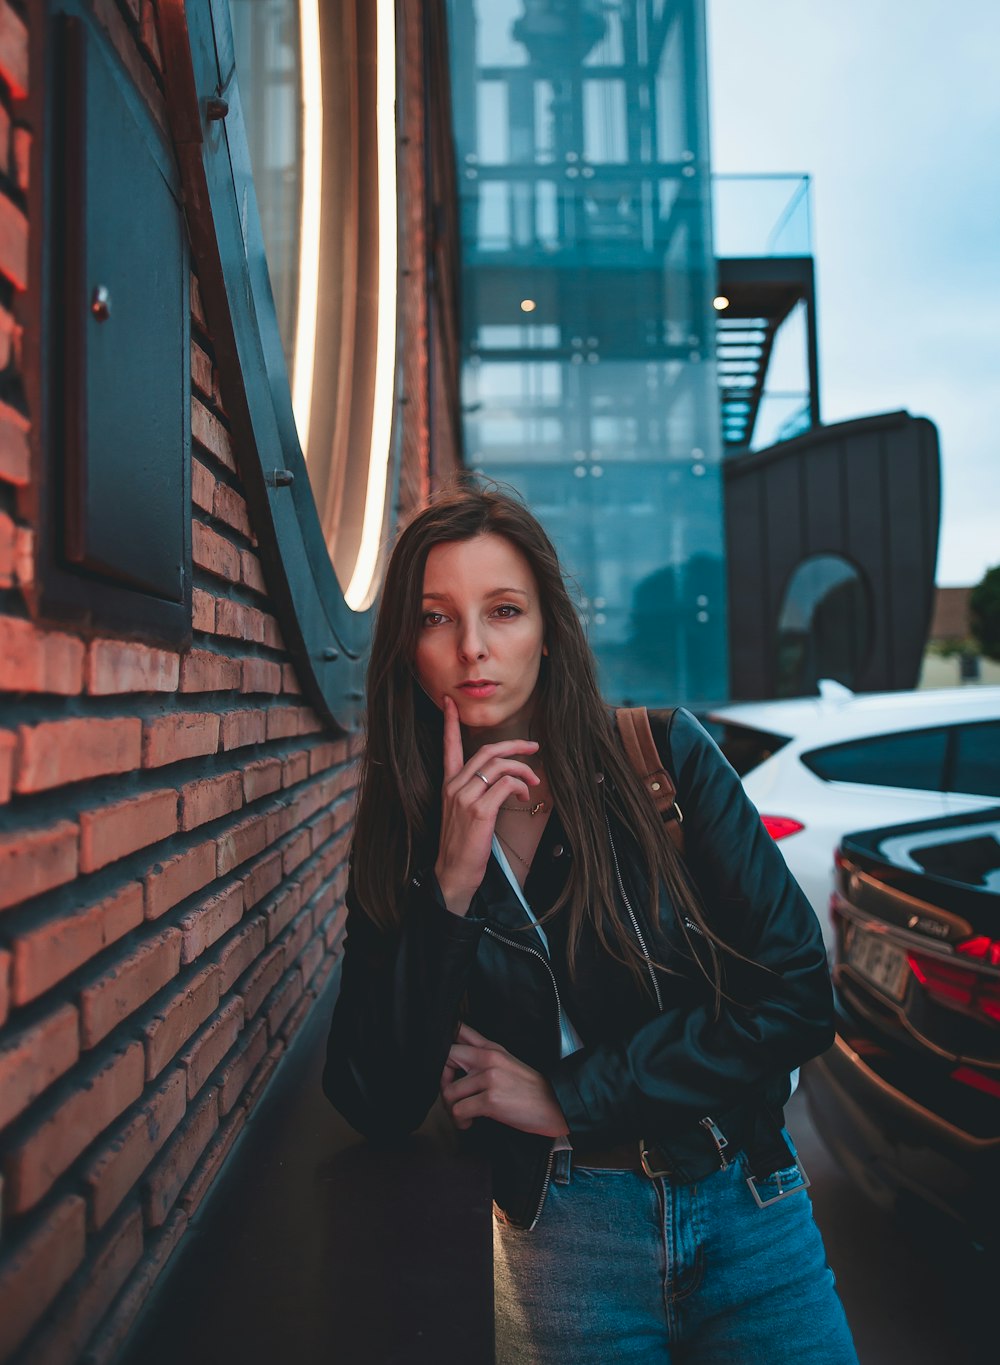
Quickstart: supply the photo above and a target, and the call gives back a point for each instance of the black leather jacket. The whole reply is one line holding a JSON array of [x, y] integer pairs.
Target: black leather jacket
[[653, 1064]]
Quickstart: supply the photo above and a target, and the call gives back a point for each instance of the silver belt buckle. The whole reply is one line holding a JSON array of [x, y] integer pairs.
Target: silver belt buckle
[[793, 1187]]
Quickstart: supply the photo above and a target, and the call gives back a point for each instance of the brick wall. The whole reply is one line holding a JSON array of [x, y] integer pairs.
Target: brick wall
[[173, 844]]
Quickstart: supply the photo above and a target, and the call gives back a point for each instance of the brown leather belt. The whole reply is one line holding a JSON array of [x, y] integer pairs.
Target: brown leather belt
[[624, 1156]]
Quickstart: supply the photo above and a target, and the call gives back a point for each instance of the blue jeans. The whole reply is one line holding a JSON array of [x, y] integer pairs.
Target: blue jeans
[[621, 1268]]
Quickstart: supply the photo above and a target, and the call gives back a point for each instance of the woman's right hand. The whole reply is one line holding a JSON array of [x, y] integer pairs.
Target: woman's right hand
[[469, 806]]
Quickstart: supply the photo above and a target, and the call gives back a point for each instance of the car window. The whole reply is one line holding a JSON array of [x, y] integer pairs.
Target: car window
[[913, 759], [977, 759], [746, 749]]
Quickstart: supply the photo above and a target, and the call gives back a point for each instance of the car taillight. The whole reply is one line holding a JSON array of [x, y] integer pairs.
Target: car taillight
[[781, 826], [959, 987], [989, 1085]]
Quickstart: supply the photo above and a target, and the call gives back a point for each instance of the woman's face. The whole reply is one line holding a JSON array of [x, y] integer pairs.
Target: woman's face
[[481, 633]]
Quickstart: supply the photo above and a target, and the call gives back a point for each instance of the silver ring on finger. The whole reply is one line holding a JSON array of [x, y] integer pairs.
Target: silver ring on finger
[[484, 777]]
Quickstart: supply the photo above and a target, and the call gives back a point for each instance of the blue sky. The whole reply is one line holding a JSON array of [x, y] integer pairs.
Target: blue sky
[[894, 109]]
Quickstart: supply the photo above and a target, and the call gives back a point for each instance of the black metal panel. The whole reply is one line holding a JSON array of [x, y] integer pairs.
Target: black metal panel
[[867, 490], [108, 390], [126, 336]]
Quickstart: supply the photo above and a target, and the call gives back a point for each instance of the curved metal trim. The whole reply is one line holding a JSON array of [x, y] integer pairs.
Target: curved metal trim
[[328, 642]]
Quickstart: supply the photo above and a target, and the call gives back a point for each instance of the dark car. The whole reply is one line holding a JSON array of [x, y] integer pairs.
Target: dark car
[[908, 1099]]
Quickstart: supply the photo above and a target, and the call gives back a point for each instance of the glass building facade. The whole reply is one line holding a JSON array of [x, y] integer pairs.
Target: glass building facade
[[588, 332]]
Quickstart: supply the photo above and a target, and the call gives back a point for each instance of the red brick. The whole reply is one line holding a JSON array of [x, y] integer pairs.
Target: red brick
[[262, 979], [314, 954], [282, 999], [197, 307], [324, 756], [251, 573], [289, 679], [170, 882], [310, 723], [8, 530], [295, 768], [119, 991], [261, 675], [211, 1045], [132, 1148], [61, 751], [261, 778], [171, 1174], [237, 1072], [186, 1011], [21, 151], [43, 1154], [179, 735], [13, 52], [33, 660], [321, 829], [36, 1271], [296, 1016], [261, 880], [207, 923], [263, 1074], [215, 554], [117, 666], [272, 634], [50, 951], [243, 841], [8, 748], [231, 507], [203, 671], [105, 1346], [283, 911], [296, 852], [110, 832], [202, 611], [13, 243], [238, 951], [211, 435], [323, 975], [310, 879], [5, 968], [33, 861], [298, 935], [238, 621], [240, 728], [209, 797], [279, 822], [282, 722], [33, 1057], [202, 486], [212, 1162], [66, 1333], [203, 378]]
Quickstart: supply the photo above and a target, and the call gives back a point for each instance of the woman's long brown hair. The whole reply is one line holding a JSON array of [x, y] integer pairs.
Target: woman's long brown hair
[[402, 770]]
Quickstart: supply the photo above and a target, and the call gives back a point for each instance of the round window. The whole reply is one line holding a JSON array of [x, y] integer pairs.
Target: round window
[[824, 626], [317, 85]]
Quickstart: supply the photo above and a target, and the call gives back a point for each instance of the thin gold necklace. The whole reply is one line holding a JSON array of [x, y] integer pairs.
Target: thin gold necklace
[[524, 861], [521, 810]]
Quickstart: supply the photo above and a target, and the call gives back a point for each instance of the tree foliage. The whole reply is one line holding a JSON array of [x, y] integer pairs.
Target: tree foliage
[[984, 613]]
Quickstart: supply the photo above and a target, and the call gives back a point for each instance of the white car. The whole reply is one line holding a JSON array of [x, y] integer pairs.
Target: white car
[[818, 767]]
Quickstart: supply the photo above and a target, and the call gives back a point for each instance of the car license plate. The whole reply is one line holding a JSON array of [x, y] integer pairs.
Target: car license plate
[[880, 962]]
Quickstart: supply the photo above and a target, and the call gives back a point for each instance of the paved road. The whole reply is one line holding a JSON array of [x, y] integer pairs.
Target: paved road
[[910, 1301]]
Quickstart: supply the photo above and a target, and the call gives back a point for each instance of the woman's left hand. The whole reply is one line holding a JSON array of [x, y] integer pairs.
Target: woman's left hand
[[497, 1086]]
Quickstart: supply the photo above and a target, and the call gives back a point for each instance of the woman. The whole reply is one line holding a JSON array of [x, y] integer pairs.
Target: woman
[[612, 1025]]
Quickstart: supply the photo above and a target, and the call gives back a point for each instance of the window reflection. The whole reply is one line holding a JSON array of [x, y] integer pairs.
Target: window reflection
[[582, 142]]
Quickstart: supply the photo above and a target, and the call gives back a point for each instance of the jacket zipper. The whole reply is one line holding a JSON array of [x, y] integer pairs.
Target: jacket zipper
[[533, 952], [632, 917]]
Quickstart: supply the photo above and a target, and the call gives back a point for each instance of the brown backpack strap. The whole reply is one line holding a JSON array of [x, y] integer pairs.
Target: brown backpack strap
[[641, 751]]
